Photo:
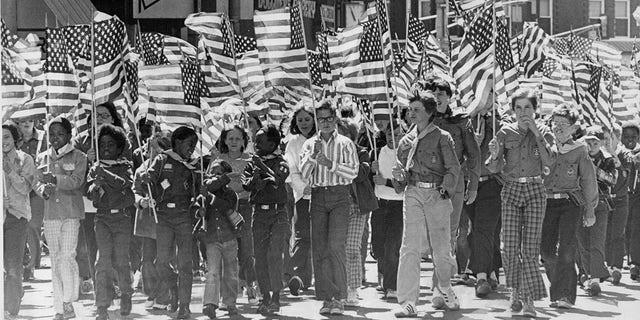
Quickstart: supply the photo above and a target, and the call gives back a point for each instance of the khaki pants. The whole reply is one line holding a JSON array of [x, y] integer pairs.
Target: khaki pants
[[426, 226]]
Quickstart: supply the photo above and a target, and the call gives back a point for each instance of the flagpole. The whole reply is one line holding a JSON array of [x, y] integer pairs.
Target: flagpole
[[384, 68], [94, 119], [493, 66], [306, 56], [235, 64]]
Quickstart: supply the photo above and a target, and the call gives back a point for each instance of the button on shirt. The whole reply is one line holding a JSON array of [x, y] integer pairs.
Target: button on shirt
[[342, 153], [573, 171], [434, 160], [521, 153]]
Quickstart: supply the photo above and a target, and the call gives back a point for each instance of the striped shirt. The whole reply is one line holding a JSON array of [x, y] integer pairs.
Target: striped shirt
[[342, 153]]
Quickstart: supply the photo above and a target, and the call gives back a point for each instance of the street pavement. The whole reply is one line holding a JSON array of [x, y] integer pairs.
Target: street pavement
[[615, 302]]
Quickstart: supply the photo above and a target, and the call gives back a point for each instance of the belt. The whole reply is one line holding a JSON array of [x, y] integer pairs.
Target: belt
[[269, 206], [111, 211], [537, 179], [613, 196], [173, 205], [337, 188], [486, 178], [557, 196], [423, 185], [243, 201]]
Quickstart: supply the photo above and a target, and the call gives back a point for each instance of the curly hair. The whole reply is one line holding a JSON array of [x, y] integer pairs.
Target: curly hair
[[115, 132]]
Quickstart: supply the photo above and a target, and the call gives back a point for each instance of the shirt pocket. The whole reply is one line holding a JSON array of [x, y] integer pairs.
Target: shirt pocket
[[512, 144]]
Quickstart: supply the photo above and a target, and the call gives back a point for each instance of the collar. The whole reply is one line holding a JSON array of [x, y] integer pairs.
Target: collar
[[178, 158], [334, 134], [12, 155], [447, 113], [111, 163], [430, 127], [67, 148], [568, 146], [269, 156]]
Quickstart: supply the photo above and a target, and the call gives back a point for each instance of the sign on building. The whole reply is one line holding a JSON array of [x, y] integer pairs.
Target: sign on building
[[162, 9]]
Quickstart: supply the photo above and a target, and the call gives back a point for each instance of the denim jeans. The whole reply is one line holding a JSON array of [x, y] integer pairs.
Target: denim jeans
[[113, 237], [378, 231], [222, 276], [270, 235], [246, 255], [633, 229], [300, 263], [150, 279], [15, 235], [616, 230], [330, 208], [558, 247], [391, 213], [426, 227], [87, 249], [591, 242], [174, 230], [484, 239]]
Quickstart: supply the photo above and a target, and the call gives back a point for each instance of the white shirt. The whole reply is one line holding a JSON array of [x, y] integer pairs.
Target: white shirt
[[386, 161]]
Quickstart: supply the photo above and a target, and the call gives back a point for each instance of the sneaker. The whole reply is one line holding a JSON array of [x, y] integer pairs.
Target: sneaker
[[295, 284], [326, 307], [634, 272], [274, 306], [209, 310], [437, 302], [616, 275], [117, 293], [27, 275], [148, 304], [184, 312], [263, 307], [69, 313], [222, 306], [483, 288], [529, 310], [593, 288], [582, 280], [102, 314], [86, 286], [125, 305], [494, 284], [564, 303], [515, 302], [252, 295], [380, 288], [450, 299], [58, 316], [553, 304], [408, 310], [391, 294], [352, 298], [464, 279], [160, 306], [337, 307], [232, 310]]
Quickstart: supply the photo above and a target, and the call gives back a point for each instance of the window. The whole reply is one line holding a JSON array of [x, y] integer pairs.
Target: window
[[424, 8], [545, 8], [596, 9], [622, 17]]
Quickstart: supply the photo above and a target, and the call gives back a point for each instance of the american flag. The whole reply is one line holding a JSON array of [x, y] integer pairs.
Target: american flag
[[252, 79], [244, 43], [24, 59], [377, 11], [281, 46], [172, 93], [534, 39], [14, 90], [473, 63], [63, 87], [315, 68], [606, 54], [635, 58], [506, 72], [7, 39], [556, 86], [625, 95], [434, 58], [355, 56], [156, 48], [408, 67], [595, 102], [575, 47], [365, 110], [110, 45], [323, 49]]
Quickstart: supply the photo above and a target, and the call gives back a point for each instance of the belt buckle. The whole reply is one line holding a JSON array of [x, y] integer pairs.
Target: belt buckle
[[265, 206], [171, 205], [114, 210]]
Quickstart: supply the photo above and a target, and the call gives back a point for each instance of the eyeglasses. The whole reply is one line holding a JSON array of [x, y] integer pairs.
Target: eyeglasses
[[326, 119], [561, 125], [103, 116]]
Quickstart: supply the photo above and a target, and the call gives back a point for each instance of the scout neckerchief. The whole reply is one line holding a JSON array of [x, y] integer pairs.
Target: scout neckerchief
[[178, 158], [61, 152], [414, 144], [111, 163], [568, 146]]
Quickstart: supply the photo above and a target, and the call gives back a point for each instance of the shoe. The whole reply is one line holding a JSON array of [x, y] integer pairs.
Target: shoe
[[86, 287], [209, 310], [173, 306], [117, 293], [337, 307], [222, 306], [593, 288], [553, 304], [102, 314], [494, 284], [437, 302], [252, 295], [232, 310], [616, 275], [408, 310], [634, 272], [483, 288], [160, 306], [515, 302], [184, 312], [69, 313], [326, 307], [27, 275], [125, 305], [582, 280], [380, 288], [529, 310], [391, 294], [148, 304], [58, 316], [274, 306], [564, 303], [295, 283], [465, 279], [450, 299], [263, 307], [352, 298]]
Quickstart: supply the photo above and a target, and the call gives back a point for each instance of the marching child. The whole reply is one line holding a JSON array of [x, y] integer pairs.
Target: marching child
[[220, 238], [60, 177], [265, 177], [109, 187], [571, 185]]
